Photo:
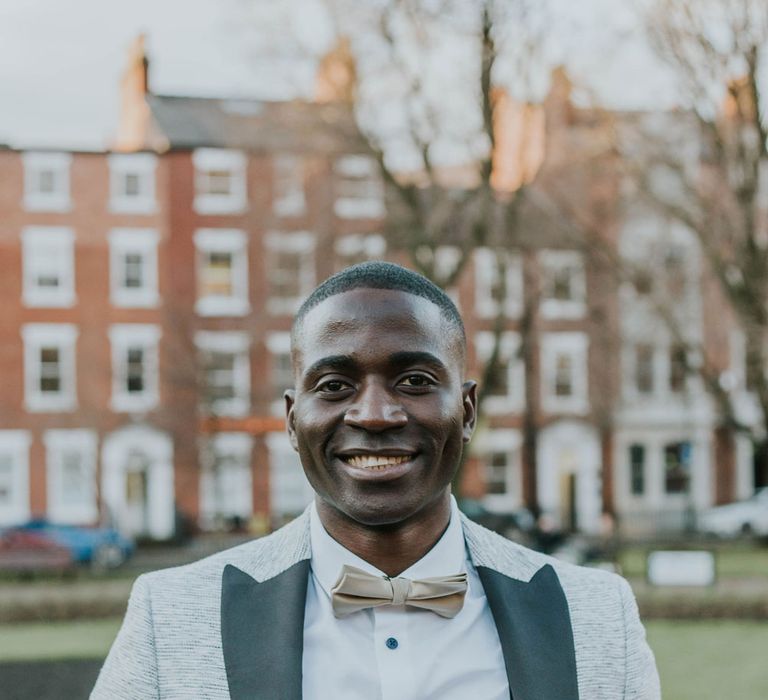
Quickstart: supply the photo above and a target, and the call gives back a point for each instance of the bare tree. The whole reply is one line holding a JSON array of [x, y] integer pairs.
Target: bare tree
[[718, 52], [449, 182]]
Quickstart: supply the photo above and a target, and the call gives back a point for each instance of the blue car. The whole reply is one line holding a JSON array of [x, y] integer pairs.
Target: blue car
[[99, 547]]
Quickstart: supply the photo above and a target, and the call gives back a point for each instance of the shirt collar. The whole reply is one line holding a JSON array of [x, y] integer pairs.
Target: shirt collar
[[447, 557]]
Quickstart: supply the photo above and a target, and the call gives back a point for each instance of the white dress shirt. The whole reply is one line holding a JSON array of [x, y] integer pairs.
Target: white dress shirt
[[394, 652]]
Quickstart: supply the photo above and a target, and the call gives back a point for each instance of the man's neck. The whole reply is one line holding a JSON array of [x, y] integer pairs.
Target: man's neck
[[390, 548]]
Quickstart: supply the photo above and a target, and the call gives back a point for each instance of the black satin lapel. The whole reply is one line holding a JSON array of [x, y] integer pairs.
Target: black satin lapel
[[534, 627], [262, 633]]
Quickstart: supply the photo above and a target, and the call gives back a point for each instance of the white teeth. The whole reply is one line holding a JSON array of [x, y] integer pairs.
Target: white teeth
[[376, 462]]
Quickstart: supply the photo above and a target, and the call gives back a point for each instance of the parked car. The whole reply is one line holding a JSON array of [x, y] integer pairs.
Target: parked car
[[25, 551], [748, 517], [99, 547]]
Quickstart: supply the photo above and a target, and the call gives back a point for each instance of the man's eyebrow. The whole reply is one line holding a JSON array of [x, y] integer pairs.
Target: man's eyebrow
[[404, 358], [416, 357], [337, 362]]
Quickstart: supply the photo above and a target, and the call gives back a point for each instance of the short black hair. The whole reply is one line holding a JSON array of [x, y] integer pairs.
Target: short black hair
[[383, 275]]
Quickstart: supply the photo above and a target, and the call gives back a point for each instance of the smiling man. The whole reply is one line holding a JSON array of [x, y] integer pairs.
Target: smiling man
[[381, 589]]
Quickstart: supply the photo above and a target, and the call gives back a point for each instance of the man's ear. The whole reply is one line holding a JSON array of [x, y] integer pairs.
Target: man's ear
[[290, 401], [469, 401]]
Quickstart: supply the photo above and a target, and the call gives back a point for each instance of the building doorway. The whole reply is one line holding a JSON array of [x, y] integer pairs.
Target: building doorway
[[137, 482]]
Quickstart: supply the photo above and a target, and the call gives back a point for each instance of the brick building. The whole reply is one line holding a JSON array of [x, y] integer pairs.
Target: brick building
[[149, 292]]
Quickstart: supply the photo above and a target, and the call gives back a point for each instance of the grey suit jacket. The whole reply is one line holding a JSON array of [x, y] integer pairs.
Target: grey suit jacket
[[231, 625]]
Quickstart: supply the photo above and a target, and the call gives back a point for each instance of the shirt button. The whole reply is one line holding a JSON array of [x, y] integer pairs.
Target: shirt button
[[392, 643]]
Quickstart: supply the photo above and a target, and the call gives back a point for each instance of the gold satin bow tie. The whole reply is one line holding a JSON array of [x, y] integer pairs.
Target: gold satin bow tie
[[357, 590]]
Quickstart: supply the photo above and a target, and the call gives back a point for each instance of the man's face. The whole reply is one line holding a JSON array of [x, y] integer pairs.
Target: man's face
[[379, 416]]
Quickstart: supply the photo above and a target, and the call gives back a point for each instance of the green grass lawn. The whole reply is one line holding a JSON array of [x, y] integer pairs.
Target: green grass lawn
[[711, 660], [81, 639], [707, 660]]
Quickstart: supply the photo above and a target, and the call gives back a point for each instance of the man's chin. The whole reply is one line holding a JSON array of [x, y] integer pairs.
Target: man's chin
[[385, 514]]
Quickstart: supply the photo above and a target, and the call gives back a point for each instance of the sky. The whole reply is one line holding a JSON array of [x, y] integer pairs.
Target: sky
[[61, 60]]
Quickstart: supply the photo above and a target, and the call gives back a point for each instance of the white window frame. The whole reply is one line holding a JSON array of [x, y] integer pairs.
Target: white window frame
[[125, 336], [576, 345], [550, 263], [64, 337], [236, 163], [289, 491], [302, 242], [236, 343], [133, 241], [662, 361], [57, 443], [15, 444], [44, 246], [144, 166], [372, 246], [509, 441], [278, 343], [445, 259], [486, 271], [360, 168], [509, 346], [59, 164], [288, 182], [234, 242], [216, 500]]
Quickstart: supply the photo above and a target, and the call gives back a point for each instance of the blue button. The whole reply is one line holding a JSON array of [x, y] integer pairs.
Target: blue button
[[391, 643]]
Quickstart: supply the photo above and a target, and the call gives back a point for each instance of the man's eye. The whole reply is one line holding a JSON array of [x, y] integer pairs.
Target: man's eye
[[332, 386], [417, 380]]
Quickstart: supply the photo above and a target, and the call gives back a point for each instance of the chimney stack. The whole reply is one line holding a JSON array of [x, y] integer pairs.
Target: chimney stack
[[134, 87]]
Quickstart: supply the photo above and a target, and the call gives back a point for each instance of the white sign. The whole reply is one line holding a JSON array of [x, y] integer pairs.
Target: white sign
[[689, 568]]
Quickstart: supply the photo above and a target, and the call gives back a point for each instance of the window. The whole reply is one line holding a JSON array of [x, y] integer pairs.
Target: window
[[289, 186], [226, 488], [499, 454], [132, 182], [677, 368], [219, 181], [644, 372], [46, 181], [637, 469], [493, 288], [280, 369], [507, 393], [290, 270], [445, 261], [71, 475], [677, 467], [496, 467], [133, 267], [225, 365], [357, 247], [14, 477], [222, 272], [564, 366], [135, 385], [48, 266], [289, 490], [359, 191], [49, 366], [563, 284]]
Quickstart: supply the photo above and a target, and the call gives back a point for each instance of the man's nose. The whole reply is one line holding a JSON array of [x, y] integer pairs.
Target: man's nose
[[376, 409]]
